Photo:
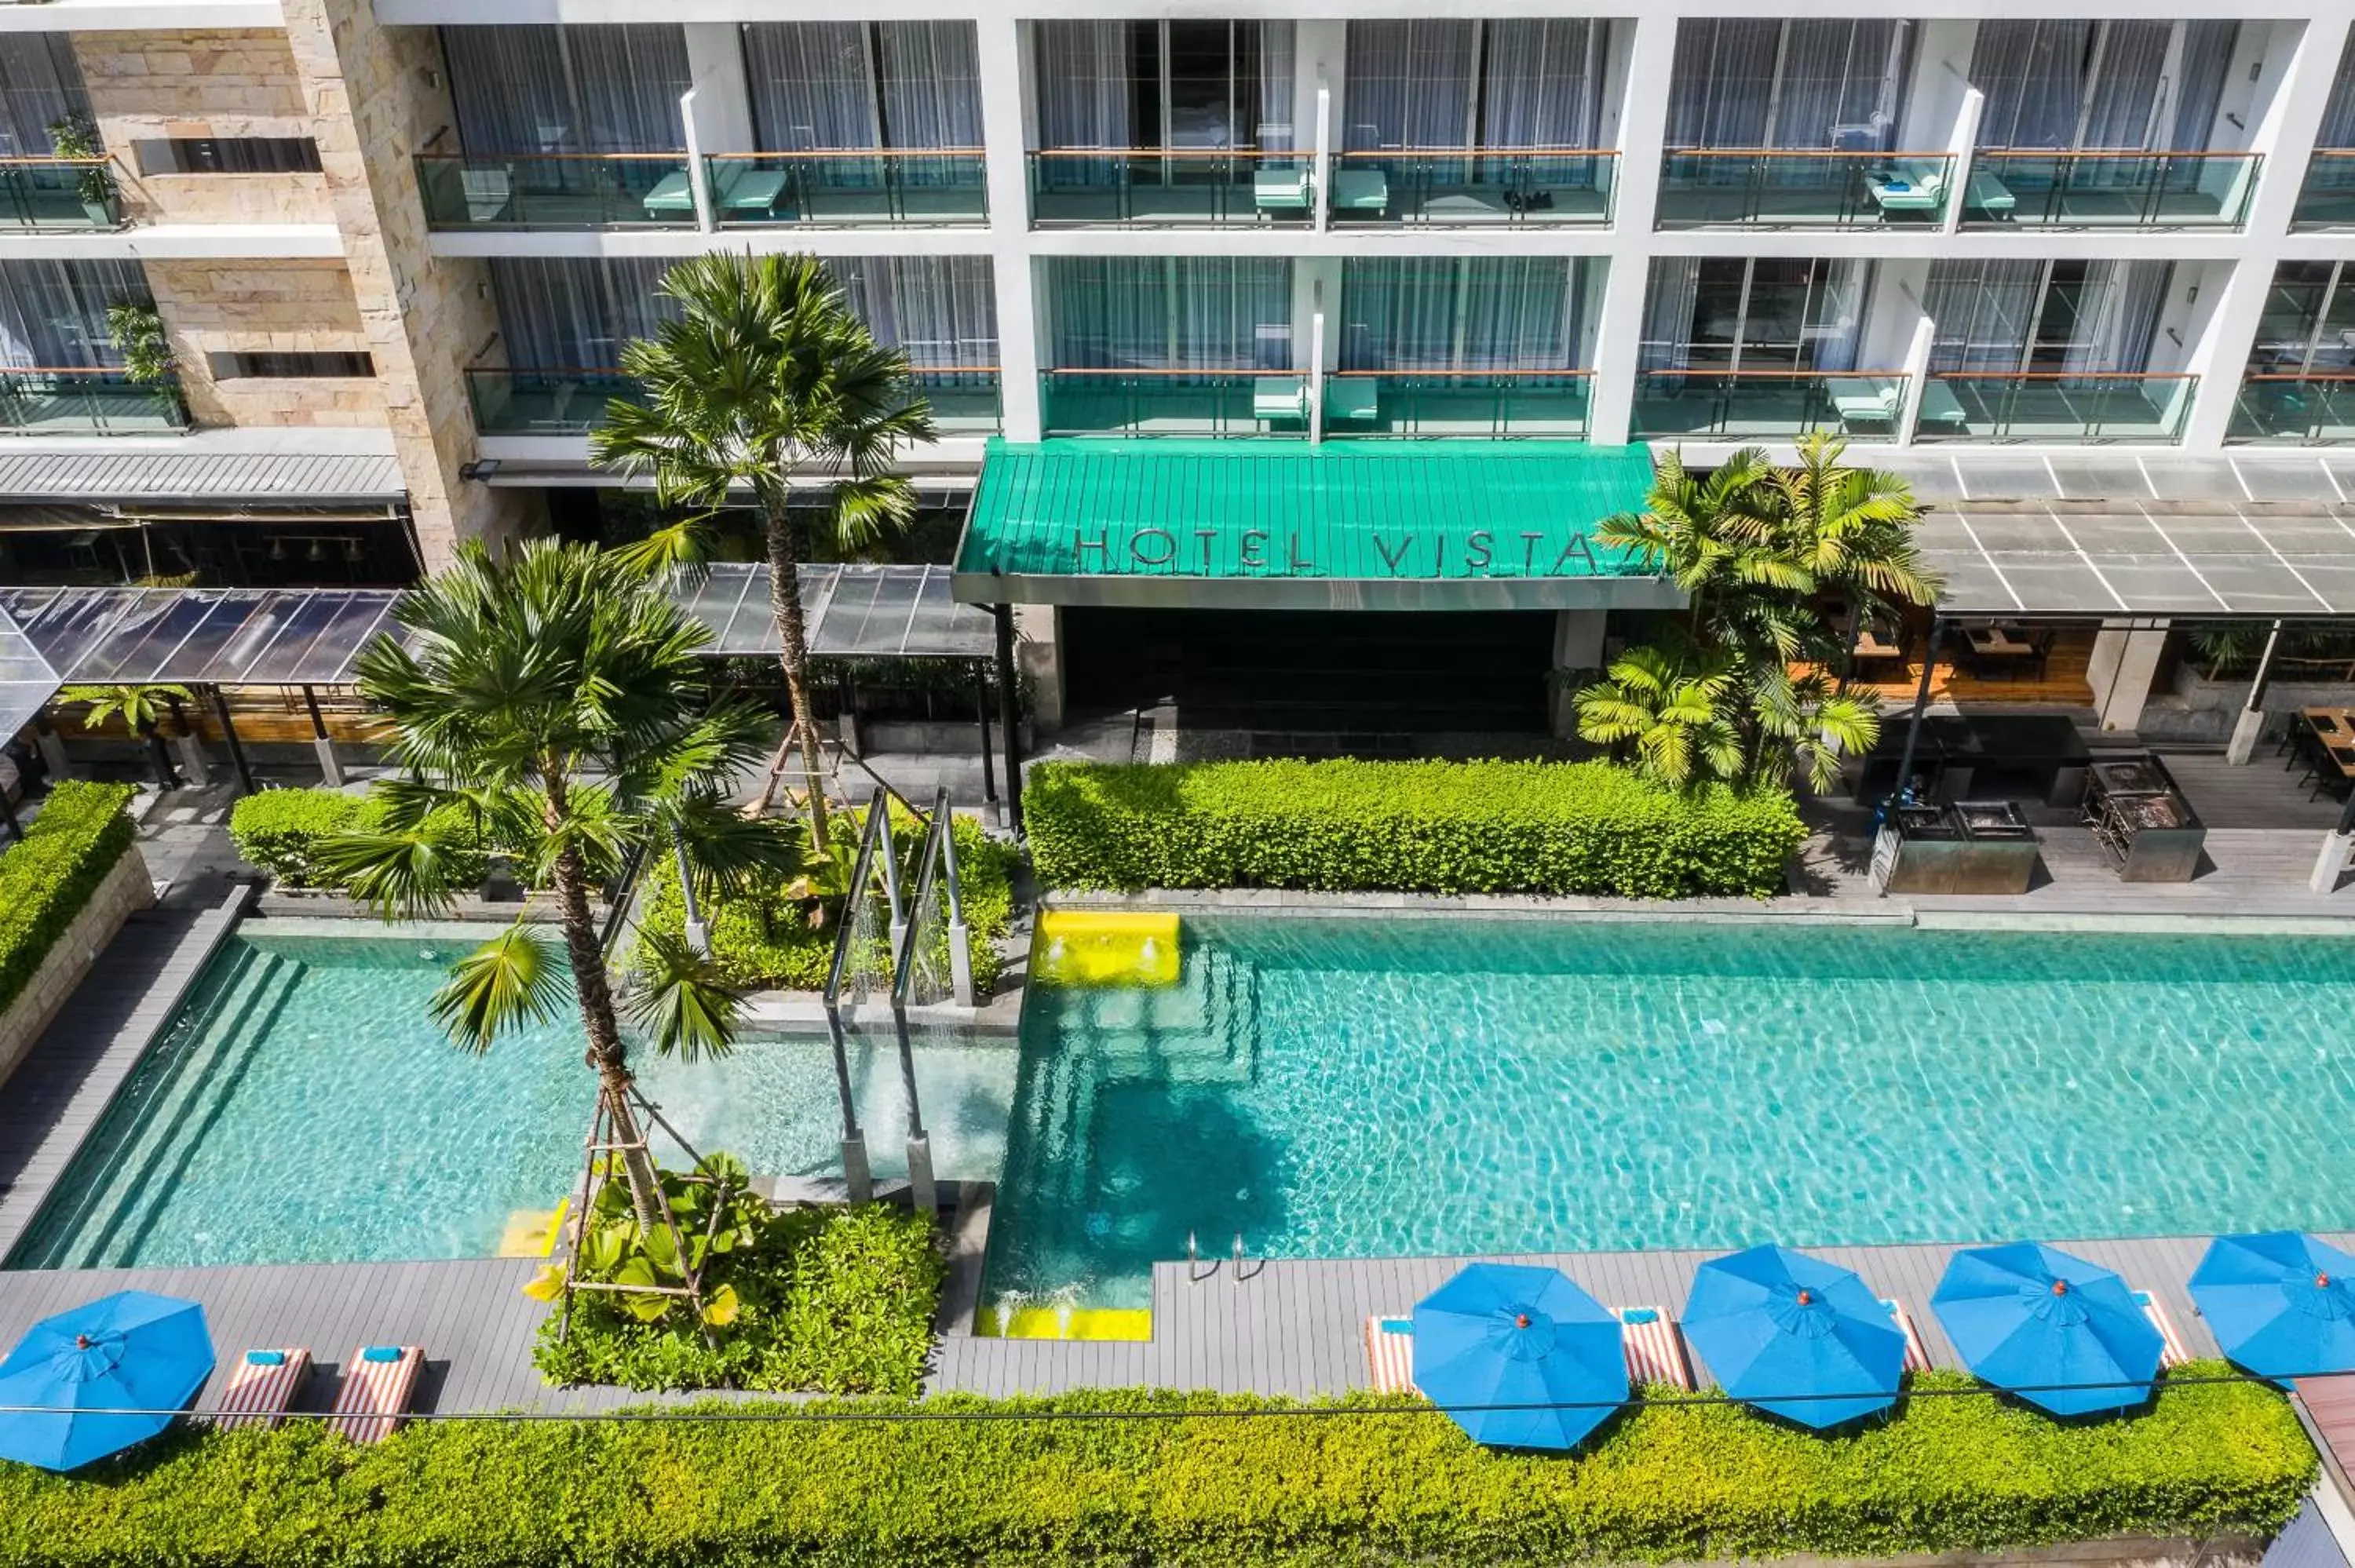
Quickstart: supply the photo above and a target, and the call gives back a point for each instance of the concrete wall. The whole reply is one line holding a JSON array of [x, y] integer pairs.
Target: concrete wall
[[126, 889], [213, 307]]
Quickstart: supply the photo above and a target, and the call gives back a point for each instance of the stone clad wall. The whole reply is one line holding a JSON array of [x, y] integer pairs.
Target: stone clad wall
[[127, 888], [213, 307], [148, 85]]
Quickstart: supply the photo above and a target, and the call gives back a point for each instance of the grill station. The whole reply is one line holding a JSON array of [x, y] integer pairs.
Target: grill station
[[1972, 846], [2142, 818]]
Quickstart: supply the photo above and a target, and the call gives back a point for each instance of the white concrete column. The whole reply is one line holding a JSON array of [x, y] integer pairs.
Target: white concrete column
[[722, 97], [1003, 50], [1319, 59], [1577, 646], [1037, 650], [2125, 664], [2285, 130], [1643, 123], [2330, 863]]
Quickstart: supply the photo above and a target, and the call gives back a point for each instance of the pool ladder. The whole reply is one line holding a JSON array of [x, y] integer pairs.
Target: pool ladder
[[1246, 1265]]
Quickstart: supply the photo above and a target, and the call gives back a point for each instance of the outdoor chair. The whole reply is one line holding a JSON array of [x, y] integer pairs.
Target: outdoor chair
[[1654, 1345], [1917, 1359], [263, 1388], [2172, 1352], [1281, 190], [1360, 190], [1911, 184], [378, 1382], [487, 194]]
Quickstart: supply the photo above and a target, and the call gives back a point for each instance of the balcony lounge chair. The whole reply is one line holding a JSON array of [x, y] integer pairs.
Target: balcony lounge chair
[[1280, 189], [488, 193], [1279, 398], [1360, 190], [1911, 184], [262, 1388], [1883, 406], [1353, 400], [1654, 1345], [1917, 1359], [2172, 1352], [378, 1382], [1984, 193]]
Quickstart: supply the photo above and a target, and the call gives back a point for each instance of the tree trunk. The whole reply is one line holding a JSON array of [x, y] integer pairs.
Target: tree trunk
[[785, 603], [605, 1055], [159, 758]]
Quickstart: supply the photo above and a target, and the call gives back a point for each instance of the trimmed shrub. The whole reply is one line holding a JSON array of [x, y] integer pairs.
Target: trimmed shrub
[[767, 942], [280, 830], [1405, 827], [830, 1300], [47, 877], [1973, 1473]]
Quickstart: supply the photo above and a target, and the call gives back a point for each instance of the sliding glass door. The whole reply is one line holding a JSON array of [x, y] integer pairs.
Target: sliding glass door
[[1190, 86], [2120, 86], [567, 90], [858, 85], [2057, 351], [1744, 314], [1833, 85]]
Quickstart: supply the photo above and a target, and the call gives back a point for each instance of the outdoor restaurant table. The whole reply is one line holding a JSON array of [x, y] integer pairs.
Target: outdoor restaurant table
[[2334, 730], [1997, 642]]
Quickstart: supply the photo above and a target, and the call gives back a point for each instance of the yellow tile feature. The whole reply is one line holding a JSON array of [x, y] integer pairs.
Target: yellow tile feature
[[1107, 947]]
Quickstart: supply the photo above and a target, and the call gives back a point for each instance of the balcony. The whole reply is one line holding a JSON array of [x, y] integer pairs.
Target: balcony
[[2110, 190], [58, 193], [883, 188], [555, 190], [1756, 188], [1169, 188], [2289, 409], [571, 402], [2059, 408], [1485, 403], [2327, 199], [1743, 405], [1173, 403], [78, 402], [1542, 186]]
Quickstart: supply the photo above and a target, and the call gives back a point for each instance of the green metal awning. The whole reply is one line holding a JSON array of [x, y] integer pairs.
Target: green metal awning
[[1441, 524]]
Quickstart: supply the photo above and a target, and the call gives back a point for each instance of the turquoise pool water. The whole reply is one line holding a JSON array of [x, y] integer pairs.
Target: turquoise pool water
[[1348, 1087], [304, 1107]]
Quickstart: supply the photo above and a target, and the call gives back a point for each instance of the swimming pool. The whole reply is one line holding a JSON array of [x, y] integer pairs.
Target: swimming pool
[[303, 1107], [1366, 1087]]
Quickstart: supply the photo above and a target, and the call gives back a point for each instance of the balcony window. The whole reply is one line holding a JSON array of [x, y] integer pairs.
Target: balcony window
[[2051, 350], [1794, 124], [2107, 124], [41, 84], [1742, 347], [2300, 383], [1470, 346], [60, 372], [2326, 198], [1170, 345], [1464, 122]]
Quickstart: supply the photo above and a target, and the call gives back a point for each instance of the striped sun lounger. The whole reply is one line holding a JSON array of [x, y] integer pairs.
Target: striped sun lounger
[[378, 1382], [1917, 1359], [262, 1388], [1655, 1350], [2171, 1352]]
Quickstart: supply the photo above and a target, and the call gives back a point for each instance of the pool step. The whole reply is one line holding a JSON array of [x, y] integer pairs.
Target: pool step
[[131, 1161]]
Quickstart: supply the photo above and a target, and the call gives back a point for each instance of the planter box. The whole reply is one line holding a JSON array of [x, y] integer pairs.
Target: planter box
[[127, 889], [2121, 1551]]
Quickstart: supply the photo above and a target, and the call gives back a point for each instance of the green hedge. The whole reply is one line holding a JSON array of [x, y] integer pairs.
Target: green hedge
[[1408, 827], [1949, 1474], [49, 875], [279, 829], [766, 942]]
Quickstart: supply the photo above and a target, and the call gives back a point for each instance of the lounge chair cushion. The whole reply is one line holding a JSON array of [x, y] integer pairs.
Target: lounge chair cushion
[[382, 1353], [265, 1358]]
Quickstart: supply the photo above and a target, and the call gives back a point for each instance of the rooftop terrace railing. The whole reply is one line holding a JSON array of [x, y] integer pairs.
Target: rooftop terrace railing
[[1149, 402], [40, 193], [1476, 187], [1483, 403], [75, 400], [2082, 189], [570, 401], [1168, 187], [2062, 407], [1757, 187], [1746, 404]]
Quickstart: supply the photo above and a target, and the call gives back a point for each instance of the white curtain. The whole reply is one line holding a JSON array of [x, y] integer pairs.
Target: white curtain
[[575, 313], [940, 311], [2129, 74], [2338, 114], [1722, 83], [1086, 94], [1540, 84], [41, 84], [1983, 313], [931, 84], [1409, 85], [2033, 74], [2117, 316], [2208, 51], [1797, 84], [1169, 314], [1671, 294], [1473, 314], [601, 88], [53, 313], [813, 86]]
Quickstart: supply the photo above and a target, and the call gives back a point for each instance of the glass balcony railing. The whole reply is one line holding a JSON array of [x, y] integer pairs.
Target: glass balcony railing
[[1745, 404], [1169, 188], [555, 190], [1758, 188], [1487, 403], [58, 192], [2327, 199], [1173, 403], [2110, 190], [2292, 409], [1566, 186], [2062, 407], [571, 402], [46, 401], [887, 189]]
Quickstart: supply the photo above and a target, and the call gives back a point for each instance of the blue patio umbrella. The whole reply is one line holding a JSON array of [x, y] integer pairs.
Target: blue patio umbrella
[[2281, 1304], [1508, 1334], [1795, 1336], [2055, 1329], [70, 1375]]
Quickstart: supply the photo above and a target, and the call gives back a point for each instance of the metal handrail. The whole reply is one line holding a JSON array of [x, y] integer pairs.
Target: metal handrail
[[1566, 371], [1800, 153], [617, 898], [1481, 152], [878, 812]]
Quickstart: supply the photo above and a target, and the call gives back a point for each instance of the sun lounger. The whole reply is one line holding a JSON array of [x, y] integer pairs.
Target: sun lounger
[[378, 1382], [1390, 1354], [1655, 1347], [1917, 1359], [262, 1388], [2172, 1353]]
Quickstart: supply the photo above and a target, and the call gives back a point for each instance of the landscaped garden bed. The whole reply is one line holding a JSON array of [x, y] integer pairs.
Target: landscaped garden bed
[[1244, 1484], [46, 878], [1422, 827]]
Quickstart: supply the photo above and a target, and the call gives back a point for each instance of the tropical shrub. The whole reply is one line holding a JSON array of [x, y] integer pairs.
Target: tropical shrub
[[832, 1300], [281, 831], [1974, 1473], [778, 935], [1418, 827], [47, 876]]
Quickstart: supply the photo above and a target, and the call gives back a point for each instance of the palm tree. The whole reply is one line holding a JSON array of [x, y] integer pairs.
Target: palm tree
[[1671, 707], [1853, 528], [141, 709], [557, 693], [768, 376]]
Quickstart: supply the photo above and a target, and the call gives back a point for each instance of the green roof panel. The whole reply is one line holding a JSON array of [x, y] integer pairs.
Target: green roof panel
[[1375, 524]]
